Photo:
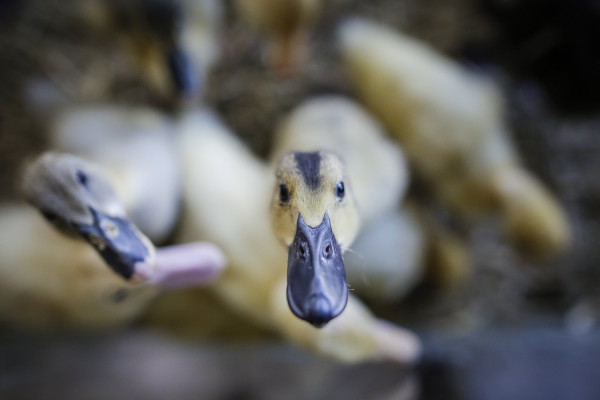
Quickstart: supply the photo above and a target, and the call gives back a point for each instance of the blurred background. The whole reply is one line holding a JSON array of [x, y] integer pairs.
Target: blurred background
[[514, 326]]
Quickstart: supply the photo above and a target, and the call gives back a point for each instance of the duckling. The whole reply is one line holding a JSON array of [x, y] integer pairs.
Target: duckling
[[374, 164], [174, 42], [134, 147], [53, 278], [394, 248], [449, 123], [285, 22], [50, 279], [234, 214], [388, 256], [310, 187], [79, 201]]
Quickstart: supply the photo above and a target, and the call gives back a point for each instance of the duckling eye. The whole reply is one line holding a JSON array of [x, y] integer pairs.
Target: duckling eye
[[284, 193], [340, 191], [82, 178]]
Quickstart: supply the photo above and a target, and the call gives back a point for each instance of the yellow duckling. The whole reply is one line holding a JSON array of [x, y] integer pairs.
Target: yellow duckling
[[395, 248], [387, 259], [227, 192], [374, 164], [78, 200], [310, 187], [134, 147], [449, 123], [49, 279], [52, 279]]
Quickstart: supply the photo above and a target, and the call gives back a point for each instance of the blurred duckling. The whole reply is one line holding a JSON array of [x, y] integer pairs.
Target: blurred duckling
[[136, 150], [450, 125], [392, 251], [174, 42], [285, 22], [134, 146], [403, 248], [61, 281], [56, 277], [51, 279], [234, 214], [79, 201]]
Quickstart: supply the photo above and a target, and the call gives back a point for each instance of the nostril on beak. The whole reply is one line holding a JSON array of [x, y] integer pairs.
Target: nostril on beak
[[327, 252], [302, 251]]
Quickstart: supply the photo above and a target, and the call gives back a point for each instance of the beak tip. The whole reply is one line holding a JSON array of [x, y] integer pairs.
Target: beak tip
[[143, 272], [320, 312], [319, 322], [317, 311], [317, 319]]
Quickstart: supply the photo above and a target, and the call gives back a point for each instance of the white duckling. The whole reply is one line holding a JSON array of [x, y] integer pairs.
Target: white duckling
[[52, 279], [285, 23], [234, 214], [449, 123]]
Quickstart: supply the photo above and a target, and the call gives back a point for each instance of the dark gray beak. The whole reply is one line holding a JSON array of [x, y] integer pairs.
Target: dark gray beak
[[183, 74], [118, 242], [165, 18], [317, 290]]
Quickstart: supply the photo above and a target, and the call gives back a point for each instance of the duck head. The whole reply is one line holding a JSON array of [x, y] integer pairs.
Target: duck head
[[151, 31], [164, 20], [314, 214], [79, 201]]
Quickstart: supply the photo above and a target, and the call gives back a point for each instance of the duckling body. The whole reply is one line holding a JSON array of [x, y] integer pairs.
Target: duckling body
[[222, 207], [50, 280], [227, 193], [449, 123]]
